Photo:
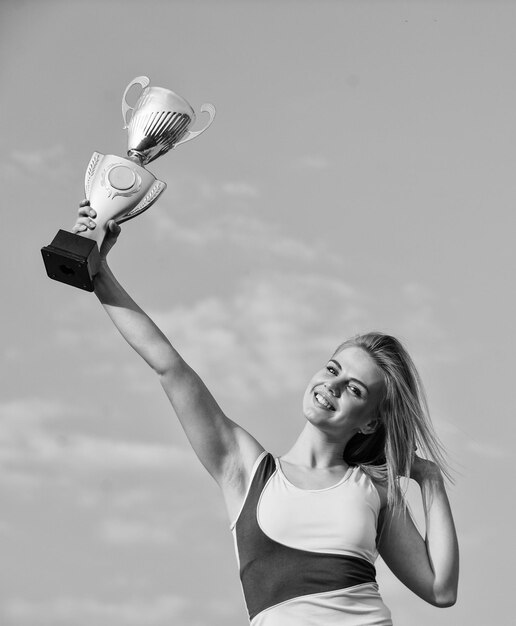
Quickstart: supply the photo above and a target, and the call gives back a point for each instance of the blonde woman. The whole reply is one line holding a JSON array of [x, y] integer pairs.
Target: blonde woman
[[308, 525]]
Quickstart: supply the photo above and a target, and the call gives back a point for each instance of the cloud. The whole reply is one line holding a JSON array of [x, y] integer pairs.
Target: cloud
[[64, 611], [50, 163], [487, 450], [211, 218], [200, 192], [461, 442], [120, 531], [240, 189], [87, 453], [33, 447], [263, 339], [314, 162], [246, 233]]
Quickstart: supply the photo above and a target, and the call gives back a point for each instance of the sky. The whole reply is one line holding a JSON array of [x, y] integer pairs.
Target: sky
[[359, 175]]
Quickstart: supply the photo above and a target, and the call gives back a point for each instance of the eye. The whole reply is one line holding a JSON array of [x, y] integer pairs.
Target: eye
[[332, 370], [355, 391]]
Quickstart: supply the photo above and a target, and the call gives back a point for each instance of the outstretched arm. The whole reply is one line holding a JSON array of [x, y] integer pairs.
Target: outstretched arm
[[226, 450], [429, 566]]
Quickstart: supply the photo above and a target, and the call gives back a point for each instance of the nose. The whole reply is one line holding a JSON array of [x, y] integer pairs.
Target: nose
[[334, 390]]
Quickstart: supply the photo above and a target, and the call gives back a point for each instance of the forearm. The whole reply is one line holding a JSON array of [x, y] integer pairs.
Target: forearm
[[441, 538], [133, 323]]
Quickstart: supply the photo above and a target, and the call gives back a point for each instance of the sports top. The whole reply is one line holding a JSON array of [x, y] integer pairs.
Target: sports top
[[306, 556]]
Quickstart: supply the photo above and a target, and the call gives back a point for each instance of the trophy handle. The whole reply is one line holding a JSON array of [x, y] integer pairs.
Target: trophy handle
[[206, 108], [144, 81]]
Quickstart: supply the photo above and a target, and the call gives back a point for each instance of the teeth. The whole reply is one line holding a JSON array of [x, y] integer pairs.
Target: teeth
[[322, 400]]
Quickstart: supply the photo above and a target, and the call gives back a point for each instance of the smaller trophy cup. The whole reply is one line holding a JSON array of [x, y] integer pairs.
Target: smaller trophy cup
[[121, 188]]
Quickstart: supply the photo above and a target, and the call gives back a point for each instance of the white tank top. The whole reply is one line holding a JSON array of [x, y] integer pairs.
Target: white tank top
[[340, 519]]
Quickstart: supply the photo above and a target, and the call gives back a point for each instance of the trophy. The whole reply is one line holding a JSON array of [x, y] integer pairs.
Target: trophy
[[121, 188]]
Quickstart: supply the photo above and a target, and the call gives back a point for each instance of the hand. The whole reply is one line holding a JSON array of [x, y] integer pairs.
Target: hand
[[85, 221]]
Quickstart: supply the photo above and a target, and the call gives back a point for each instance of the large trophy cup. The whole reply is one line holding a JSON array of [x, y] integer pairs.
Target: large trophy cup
[[121, 188]]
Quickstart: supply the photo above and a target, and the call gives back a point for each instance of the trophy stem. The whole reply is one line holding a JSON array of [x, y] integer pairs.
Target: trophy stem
[[137, 157]]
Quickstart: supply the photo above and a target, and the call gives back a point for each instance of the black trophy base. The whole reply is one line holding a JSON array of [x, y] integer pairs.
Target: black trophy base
[[72, 259]]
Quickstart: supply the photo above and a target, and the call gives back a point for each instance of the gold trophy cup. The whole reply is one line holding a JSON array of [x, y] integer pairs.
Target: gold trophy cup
[[121, 188]]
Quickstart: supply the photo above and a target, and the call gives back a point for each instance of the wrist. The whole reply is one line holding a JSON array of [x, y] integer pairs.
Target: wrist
[[102, 276], [103, 269]]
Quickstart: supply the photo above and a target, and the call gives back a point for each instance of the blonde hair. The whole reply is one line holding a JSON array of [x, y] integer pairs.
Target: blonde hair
[[405, 423]]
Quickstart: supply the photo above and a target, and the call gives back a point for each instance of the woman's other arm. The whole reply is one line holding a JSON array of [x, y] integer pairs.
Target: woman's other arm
[[429, 566]]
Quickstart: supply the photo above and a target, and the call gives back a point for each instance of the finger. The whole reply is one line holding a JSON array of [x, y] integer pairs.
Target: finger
[[114, 227], [83, 223], [87, 211], [84, 202], [87, 222]]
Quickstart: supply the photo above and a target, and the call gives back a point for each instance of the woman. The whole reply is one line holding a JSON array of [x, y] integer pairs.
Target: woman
[[309, 525]]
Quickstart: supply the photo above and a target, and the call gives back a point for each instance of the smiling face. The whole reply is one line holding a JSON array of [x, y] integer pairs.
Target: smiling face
[[343, 398]]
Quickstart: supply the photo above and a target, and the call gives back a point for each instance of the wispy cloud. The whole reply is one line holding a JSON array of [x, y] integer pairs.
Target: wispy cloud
[[33, 447], [50, 163], [64, 611], [200, 192], [123, 531], [241, 189], [462, 442], [314, 162], [244, 232], [264, 337], [487, 450]]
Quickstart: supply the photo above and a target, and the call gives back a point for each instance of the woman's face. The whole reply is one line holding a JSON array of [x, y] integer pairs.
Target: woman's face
[[343, 397]]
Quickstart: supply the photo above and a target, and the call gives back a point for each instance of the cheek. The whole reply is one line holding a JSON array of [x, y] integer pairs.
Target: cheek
[[307, 399], [366, 413], [356, 412]]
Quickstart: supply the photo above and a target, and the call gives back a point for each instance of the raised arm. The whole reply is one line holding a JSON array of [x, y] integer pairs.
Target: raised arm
[[226, 450], [429, 566]]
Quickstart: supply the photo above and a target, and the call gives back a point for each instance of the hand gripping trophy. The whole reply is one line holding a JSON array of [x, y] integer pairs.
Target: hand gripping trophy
[[121, 188]]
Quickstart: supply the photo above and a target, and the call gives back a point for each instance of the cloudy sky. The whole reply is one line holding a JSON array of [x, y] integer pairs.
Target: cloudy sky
[[359, 175]]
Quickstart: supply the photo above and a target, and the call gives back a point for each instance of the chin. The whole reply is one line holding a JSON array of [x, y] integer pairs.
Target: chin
[[314, 415]]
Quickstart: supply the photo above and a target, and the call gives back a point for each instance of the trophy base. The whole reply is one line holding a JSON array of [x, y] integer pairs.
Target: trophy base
[[72, 259]]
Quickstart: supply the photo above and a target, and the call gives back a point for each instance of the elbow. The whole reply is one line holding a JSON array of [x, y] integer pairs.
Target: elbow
[[444, 599]]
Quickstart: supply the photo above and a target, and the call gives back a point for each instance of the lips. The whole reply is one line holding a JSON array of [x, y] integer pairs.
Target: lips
[[324, 401]]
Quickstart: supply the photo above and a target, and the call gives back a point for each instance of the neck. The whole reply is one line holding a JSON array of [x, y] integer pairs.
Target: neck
[[316, 449]]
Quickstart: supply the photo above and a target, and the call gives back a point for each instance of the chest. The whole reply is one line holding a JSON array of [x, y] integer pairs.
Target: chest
[[335, 519]]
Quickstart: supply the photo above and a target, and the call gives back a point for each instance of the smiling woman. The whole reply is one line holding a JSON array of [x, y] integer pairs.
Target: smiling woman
[[309, 525]]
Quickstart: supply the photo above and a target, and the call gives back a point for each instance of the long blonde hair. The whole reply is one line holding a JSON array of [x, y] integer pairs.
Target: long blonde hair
[[405, 423]]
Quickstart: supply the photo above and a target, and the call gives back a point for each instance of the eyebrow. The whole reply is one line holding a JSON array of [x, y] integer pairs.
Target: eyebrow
[[356, 380]]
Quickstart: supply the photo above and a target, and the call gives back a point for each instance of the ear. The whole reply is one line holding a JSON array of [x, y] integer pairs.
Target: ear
[[370, 427]]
